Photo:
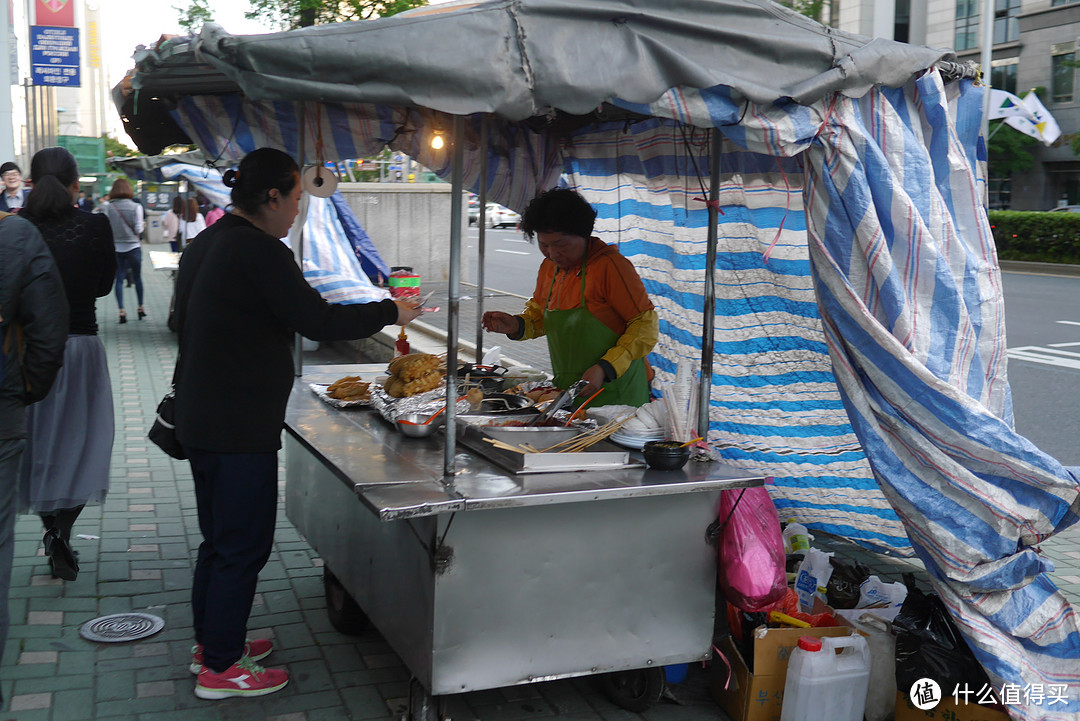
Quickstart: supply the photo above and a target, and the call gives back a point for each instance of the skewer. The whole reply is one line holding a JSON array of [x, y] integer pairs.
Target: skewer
[[580, 443], [506, 446]]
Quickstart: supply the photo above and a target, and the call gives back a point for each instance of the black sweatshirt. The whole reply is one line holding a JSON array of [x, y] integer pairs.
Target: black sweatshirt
[[240, 297]]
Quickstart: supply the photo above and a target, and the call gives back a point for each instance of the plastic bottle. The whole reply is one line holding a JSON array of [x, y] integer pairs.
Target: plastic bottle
[[827, 678], [797, 538], [401, 345]]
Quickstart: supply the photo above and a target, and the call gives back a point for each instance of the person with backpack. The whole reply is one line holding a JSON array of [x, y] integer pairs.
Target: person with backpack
[[70, 432], [33, 332]]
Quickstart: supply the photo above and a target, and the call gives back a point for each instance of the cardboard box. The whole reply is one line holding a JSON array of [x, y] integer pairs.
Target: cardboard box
[[757, 695], [947, 710]]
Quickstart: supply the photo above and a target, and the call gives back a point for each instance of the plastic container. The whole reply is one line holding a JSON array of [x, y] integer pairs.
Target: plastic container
[[827, 678], [676, 672], [796, 539], [403, 282]]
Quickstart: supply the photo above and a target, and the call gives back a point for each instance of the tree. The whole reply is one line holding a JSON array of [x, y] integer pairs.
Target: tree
[[291, 14], [813, 9], [1008, 150], [195, 16], [115, 149]]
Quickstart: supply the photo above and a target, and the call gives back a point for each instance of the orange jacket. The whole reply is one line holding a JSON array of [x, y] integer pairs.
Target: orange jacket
[[614, 294]]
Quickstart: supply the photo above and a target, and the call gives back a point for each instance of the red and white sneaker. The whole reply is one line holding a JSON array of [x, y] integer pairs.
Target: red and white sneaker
[[243, 678], [256, 649]]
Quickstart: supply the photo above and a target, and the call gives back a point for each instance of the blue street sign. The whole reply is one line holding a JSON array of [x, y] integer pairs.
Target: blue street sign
[[54, 56], [395, 167]]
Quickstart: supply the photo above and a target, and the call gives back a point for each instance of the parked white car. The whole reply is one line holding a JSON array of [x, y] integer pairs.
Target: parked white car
[[499, 217]]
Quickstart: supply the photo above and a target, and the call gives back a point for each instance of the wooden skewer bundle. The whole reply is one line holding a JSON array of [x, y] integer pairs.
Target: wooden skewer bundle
[[585, 440], [573, 445]]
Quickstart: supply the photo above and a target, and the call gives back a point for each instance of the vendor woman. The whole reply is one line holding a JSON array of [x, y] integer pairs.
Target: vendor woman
[[589, 302]]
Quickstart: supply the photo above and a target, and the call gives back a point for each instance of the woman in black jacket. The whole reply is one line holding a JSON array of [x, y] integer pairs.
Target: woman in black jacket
[[70, 433], [240, 298]]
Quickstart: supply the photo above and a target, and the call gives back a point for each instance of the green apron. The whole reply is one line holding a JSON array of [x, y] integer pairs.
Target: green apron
[[577, 340]]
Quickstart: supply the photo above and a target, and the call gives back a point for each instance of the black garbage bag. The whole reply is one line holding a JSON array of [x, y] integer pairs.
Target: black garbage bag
[[929, 645], [842, 590]]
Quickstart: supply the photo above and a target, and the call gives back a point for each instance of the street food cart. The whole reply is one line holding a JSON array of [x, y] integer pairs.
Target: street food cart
[[805, 204], [491, 579]]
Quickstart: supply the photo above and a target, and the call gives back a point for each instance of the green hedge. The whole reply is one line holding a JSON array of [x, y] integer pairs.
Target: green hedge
[[1036, 236]]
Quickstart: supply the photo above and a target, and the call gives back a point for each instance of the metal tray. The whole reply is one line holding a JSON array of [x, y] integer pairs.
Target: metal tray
[[602, 456]]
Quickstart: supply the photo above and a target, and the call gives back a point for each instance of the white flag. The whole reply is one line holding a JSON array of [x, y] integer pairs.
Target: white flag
[[1004, 105], [1043, 127]]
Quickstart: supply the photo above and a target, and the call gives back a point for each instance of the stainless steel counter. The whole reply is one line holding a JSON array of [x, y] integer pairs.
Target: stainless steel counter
[[494, 579], [399, 477]]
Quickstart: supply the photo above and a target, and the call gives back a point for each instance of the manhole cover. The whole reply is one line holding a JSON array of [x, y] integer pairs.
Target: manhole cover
[[121, 627]]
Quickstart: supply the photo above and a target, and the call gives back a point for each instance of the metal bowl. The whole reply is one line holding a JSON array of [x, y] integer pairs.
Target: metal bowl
[[503, 404], [415, 427]]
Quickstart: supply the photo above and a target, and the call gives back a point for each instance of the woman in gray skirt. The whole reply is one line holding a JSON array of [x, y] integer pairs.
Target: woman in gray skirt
[[70, 433]]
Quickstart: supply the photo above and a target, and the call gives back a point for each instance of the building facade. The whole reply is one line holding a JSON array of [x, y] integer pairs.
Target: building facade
[[1035, 46]]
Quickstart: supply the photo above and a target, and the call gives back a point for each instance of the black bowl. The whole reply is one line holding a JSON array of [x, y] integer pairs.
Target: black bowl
[[665, 455]]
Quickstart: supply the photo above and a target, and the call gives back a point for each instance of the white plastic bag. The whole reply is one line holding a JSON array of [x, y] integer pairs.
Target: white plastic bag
[[813, 578], [875, 593]]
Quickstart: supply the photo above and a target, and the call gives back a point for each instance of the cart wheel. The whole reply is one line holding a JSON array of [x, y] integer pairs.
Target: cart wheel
[[635, 690], [345, 615], [422, 705]]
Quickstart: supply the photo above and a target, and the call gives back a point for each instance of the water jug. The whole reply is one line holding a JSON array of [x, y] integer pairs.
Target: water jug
[[827, 678]]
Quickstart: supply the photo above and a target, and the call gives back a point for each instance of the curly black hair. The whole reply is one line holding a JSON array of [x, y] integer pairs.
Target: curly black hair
[[559, 210]]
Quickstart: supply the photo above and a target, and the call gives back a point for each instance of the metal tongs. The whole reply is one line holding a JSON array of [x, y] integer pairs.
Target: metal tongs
[[561, 401]]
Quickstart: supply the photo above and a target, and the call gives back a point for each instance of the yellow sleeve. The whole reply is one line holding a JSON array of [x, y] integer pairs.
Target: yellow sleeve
[[637, 342], [533, 315]]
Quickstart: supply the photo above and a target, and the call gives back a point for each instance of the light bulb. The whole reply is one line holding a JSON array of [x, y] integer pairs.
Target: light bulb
[[437, 142]]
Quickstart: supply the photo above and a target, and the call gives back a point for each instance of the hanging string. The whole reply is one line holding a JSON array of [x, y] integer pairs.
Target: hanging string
[[787, 185], [697, 171]]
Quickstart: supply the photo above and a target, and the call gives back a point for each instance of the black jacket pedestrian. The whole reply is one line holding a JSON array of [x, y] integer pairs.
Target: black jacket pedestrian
[[240, 297], [31, 295]]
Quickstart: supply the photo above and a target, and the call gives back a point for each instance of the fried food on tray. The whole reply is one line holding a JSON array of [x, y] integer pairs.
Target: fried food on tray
[[544, 393], [414, 365], [349, 388]]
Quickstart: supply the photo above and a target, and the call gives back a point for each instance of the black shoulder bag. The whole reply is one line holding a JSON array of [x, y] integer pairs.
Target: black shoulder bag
[[163, 432]]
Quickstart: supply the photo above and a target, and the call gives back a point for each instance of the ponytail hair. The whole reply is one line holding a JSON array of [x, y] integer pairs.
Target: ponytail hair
[[53, 172], [260, 172]]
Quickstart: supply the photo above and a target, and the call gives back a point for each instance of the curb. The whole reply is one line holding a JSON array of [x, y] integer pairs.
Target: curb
[[1024, 266]]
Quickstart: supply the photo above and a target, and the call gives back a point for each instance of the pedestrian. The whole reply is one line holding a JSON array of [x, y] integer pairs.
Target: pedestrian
[[240, 298], [14, 196], [589, 301], [191, 222], [126, 218], [171, 224], [214, 215], [33, 327], [70, 432], [85, 203]]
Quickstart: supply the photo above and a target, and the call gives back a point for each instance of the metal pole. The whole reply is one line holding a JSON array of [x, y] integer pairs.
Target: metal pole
[[708, 312], [456, 183], [987, 52], [481, 247], [298, 248]]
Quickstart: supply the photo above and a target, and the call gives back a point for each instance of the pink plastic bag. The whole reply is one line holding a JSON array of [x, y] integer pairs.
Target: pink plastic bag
[[751, 549]]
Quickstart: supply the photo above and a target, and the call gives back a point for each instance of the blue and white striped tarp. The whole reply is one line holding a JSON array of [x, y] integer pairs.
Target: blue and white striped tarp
[[859, 349], [334, 241]]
